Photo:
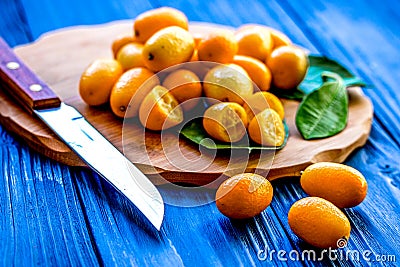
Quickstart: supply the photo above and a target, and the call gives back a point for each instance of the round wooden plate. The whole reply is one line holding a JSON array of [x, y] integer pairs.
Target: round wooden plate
[[60, 57]]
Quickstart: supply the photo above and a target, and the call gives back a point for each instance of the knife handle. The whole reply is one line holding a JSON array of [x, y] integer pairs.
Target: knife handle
[[20, 82]]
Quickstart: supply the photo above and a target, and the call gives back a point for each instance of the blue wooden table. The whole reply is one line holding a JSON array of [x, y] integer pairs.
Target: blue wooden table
[[51, 214]]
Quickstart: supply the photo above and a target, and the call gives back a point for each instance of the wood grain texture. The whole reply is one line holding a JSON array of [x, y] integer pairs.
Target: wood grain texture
[[177, 160]]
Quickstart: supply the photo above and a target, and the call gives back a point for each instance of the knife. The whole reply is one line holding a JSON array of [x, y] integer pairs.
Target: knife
[[95, 150]]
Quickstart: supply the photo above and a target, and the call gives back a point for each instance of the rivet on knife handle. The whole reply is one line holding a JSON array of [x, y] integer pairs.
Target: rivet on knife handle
[[20, 82]]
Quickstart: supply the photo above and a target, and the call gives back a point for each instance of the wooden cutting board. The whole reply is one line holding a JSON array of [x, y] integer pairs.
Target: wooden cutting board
[[60, 57]]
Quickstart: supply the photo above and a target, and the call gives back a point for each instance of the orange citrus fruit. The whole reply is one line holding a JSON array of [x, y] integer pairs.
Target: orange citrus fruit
[[97, 81], [257, 70], [225, 121], [130, 56], [288, 65], [119, 42], [318, 222], [185, 86], [342, 185], [263, 100], [198, 36], [219, 46], [267, 129], [151, 21], [167, 47], [279, 38], [130, 90], [254, 42], [160, 110], [244, 195], [227, 83], [195, 56], [200, 68]]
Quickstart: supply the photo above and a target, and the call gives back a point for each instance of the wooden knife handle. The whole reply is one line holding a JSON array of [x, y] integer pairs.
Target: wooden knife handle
[[20, 82]]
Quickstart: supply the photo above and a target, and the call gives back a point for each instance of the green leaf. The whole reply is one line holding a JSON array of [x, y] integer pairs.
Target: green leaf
[[324, 112], [313, 79], [195, 132], [320, 64]]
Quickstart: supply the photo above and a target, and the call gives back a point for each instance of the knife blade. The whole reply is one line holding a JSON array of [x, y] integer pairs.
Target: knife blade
[[93, 148]]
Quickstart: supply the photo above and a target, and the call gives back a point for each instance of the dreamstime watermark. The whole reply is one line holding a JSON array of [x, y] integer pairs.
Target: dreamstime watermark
[[340, 254]]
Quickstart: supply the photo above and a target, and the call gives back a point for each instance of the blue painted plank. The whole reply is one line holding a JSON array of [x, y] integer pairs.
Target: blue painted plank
[[236, 13], [43, 219], [64, 13], [366, 41], [311, 19], [121, 235], [14, 27], [78, 219]]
